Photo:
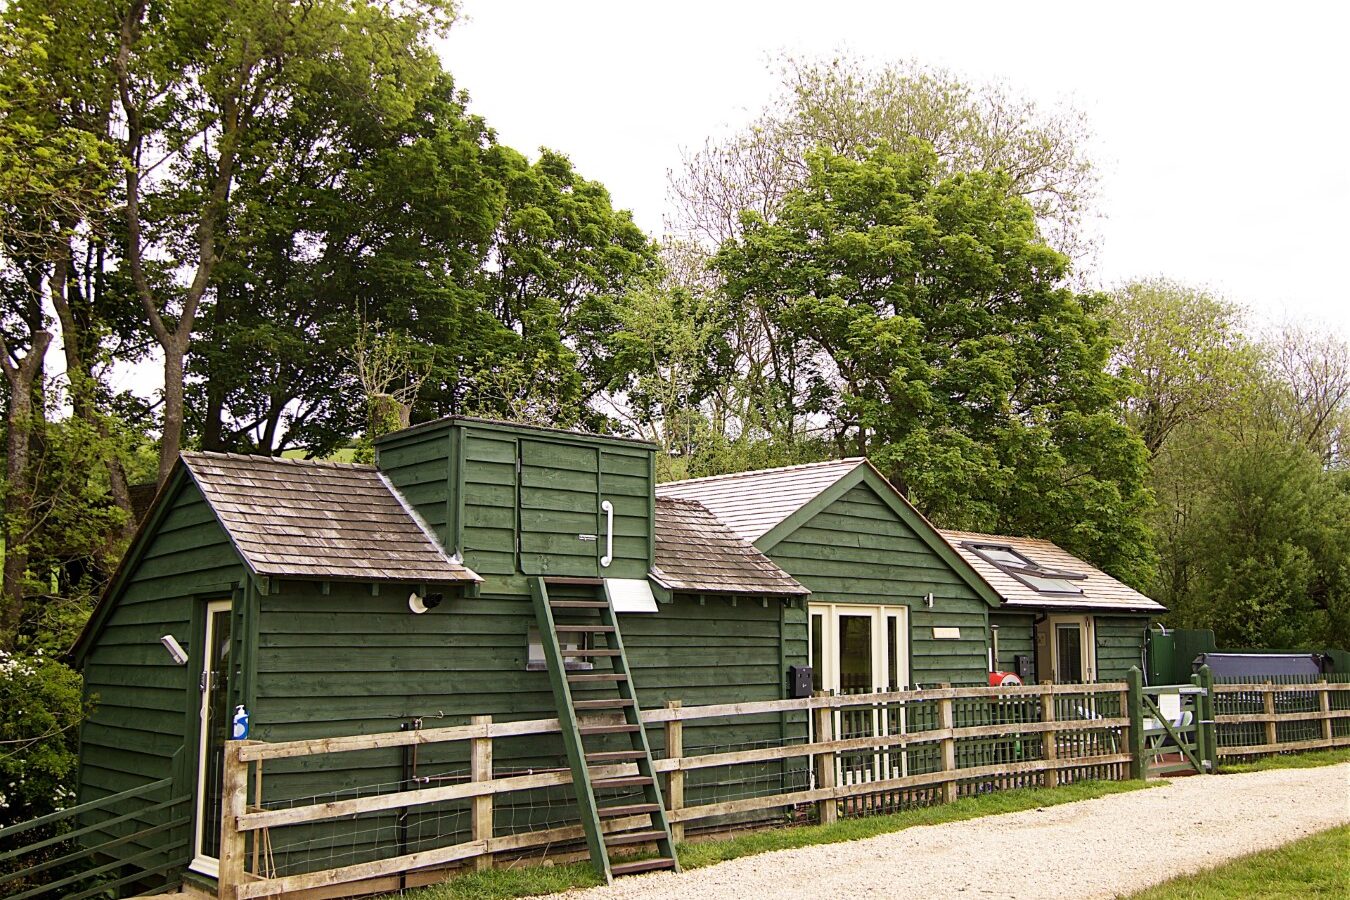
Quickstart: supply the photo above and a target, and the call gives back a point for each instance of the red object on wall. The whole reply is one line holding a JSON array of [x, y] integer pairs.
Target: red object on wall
[[998, 679]]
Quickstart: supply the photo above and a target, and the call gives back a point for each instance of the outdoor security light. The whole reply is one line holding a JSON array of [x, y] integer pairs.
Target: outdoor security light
[[420, 605], [176, 651]]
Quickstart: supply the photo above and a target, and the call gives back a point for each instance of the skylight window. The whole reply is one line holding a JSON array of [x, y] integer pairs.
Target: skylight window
[[1029, 572]]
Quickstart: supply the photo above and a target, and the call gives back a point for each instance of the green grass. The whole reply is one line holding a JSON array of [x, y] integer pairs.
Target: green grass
[[1317, 866], [1290, 761], [526, 881]]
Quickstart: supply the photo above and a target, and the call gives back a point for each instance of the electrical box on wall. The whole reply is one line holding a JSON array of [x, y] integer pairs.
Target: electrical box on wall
[[1025, 668], [799, 681]]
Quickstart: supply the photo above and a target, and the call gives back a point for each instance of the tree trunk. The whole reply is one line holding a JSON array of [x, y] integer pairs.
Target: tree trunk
[[171, 443], [19, 481]]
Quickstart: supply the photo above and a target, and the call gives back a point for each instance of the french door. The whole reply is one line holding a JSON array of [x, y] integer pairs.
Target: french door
[[214, 730], [862, 650]]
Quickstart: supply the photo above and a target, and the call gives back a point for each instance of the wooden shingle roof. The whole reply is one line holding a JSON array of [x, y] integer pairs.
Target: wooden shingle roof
[[697, 553], [752, 503], [1100, 591], [312, 519]]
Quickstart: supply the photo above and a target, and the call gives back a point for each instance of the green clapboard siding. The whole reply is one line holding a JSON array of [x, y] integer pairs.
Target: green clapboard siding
[[1120, 644], [463, 478], [144, 705], [347, 662], [1016, 637], [858, 550]]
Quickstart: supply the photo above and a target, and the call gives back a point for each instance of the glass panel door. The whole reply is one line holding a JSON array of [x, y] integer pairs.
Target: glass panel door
[[215, 729], [1069, 653]]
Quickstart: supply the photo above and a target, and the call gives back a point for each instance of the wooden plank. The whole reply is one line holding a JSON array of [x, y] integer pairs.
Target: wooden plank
[[675, 776], [234, 801], [1268, 700], [1324, 703], [1049, 743], [1303, 688], [384, 739], [947, 722], [481, 773], [315, 812], [1270, 718], [1286, 747], [828, 812]]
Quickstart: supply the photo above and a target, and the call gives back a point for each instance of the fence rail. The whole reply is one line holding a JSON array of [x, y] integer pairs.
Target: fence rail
[[1255, 719], [862, 753]]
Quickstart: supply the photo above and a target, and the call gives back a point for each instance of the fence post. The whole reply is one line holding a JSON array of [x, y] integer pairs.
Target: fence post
[[233, 804], [1201, 743], [1209, 723], [824, 729], [1049, 747], [675, 778], [480, 749], [947, 722], [1268, 706], [1135, 679], [1324, 701]]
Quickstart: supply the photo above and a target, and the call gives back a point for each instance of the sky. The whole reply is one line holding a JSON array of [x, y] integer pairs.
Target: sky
[[1220, 130]]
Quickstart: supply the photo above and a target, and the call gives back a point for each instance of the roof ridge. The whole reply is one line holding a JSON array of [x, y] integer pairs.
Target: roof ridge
[[998, 537], [855, 460], [287, 460]]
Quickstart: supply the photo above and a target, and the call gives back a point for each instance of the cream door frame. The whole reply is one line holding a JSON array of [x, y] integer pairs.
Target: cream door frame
[[1088, 631], [206, 865], [882, 650]]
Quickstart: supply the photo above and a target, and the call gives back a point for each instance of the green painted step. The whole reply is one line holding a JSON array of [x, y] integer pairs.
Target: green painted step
[[645, 865]]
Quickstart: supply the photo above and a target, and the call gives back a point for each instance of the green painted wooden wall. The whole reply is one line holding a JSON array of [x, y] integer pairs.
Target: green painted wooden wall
[[145, 706], [484, 486], [858, 550], [347, 662], [1120, 640]]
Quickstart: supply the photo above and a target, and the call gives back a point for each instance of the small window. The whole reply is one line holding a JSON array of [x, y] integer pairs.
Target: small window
[[1028, 571], [535, 662]]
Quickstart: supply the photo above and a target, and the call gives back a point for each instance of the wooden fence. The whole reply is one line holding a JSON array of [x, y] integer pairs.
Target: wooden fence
[[1259, 719], [861, 753]]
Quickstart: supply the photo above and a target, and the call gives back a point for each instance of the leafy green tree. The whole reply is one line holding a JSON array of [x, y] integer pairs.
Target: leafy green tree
[[1185, 352], [943, 343]]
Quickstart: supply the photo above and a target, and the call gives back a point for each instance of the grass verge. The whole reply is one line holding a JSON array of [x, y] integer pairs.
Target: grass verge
[[1290, 761], [1313, 867], [501, 884]]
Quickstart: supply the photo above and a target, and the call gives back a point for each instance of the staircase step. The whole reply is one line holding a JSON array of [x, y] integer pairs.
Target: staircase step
[[579, 604], [646, 865], [585, 652], [622, 781], [615, 703], [589, 629], [633, 809], [611, 756], [618, 839], [592, 679], [608, 729], [565, 579]]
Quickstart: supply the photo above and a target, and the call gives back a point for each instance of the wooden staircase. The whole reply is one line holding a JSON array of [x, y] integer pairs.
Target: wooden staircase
[[618, 796]]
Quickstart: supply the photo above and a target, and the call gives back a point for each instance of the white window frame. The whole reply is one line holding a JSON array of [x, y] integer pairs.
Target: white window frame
[[881, 615]]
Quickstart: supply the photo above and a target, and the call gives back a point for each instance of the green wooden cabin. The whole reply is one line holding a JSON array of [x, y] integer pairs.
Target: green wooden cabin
[[330, 599], [290, 585]]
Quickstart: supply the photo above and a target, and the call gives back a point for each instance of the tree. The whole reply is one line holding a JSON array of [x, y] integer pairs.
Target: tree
[[1185, 352], [943, 344], [849, 106], [197, 81], [53, 177]]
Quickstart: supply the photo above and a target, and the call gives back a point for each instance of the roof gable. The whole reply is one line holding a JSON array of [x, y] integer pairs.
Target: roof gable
[[697, 552], [753, 503], [766, 506], [314, 519], [1099, 590]]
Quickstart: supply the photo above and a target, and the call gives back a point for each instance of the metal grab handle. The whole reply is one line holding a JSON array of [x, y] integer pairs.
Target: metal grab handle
[[609, 533]]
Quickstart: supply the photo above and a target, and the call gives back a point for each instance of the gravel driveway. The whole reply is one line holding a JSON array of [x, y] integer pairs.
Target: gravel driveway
[[1096, 848]]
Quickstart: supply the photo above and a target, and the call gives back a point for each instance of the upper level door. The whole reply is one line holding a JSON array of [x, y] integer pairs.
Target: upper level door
[[562, 526]]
